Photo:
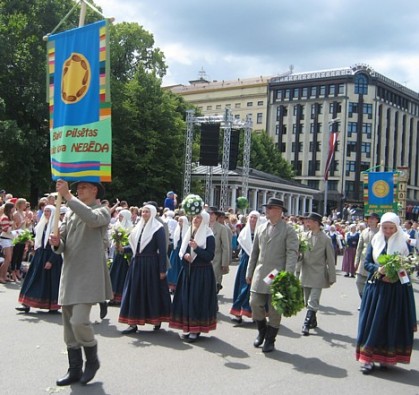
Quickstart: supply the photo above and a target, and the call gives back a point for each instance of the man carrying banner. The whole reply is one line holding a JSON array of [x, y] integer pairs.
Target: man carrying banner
[[85, 278]]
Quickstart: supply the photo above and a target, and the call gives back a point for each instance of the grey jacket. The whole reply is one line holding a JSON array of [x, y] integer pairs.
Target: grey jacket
[[277, 251], [85, 276]]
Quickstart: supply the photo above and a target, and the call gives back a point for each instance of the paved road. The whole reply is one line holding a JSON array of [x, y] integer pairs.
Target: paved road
[[224, 362]]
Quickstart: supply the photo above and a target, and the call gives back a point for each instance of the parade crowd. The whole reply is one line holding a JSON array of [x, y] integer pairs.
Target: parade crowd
[[158, 264]]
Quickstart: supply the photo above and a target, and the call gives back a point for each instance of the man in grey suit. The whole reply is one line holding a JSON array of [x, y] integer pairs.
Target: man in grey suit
[[317, 269], [275, 246], [222, 255]]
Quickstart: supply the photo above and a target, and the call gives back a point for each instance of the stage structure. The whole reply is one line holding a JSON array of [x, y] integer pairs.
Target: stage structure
[[227, 123]]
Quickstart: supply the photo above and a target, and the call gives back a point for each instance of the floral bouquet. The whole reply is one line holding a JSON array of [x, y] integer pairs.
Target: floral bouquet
[[242, 203], [192, 204], [395, 263], [303, 245], [120, 236], [287, 294], [23, 237]]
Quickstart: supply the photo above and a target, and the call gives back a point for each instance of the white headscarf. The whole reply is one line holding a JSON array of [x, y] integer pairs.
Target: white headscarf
[[200, 237], [39, 228], [126, 222], [397, 243], [146, 228], [177, 234], [245, 236]]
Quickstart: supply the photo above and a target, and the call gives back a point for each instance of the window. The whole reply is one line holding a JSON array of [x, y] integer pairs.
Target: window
[[333, 106], [350, 167], [218, 107], [312, 146], [361, 84], [283, 147], [228, 105], [341, 89], [277, 130], [209, 108], [332, 185], [260, 103], [350, 147], [352, 128], [353, 108], [304, 92], [295, 93], [287, 94], [366, 149], [237, 116], [279, 94], [300, 147], [313, 91], [322, 90], [366, 129], [313, 166], [367, 109], [249, 104], [259, 118], [313, 184], [237, 105], [332, 90]]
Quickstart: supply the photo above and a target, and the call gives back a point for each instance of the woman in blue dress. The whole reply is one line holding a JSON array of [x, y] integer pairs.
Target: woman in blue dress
[[119, 267], [41, 284], [194, 307], [146, 298], [241, 294], [175, 261], [388, 315]]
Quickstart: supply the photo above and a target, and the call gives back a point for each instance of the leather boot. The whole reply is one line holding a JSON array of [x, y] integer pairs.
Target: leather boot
[[75, 362], [103, 310], [306, 326], [269, 344], [313, 322], [92, 364], [262, 332]]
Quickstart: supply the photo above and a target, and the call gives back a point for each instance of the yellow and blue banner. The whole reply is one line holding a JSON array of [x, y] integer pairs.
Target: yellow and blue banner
[[380, 192], [79, 104]]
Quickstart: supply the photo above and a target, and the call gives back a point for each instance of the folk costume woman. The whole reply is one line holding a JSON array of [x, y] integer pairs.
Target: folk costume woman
[[241, 294], [146, 298], [175, 260], [388, 316], [194, 307], [42, 282], [119, 267], [348, 262]]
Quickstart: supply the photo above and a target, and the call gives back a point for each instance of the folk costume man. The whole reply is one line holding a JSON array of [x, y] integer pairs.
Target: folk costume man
[[222, 256], [275, 246], [361, 250], [317, 269], [85, 278]]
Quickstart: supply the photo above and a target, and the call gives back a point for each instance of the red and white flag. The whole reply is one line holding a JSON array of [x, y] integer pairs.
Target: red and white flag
[[333, 138]]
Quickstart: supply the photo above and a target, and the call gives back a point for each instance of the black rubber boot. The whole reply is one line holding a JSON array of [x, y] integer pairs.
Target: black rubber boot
[[262, 332], [75, 362], [313, 322], [269, 344], [307, 322], [92, 364]]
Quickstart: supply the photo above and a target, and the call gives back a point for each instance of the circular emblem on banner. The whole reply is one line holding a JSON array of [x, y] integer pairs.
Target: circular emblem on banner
[[380, 188], [75, 78]]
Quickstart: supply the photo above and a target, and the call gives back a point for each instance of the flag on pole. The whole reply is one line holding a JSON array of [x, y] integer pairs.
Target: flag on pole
[[333, 138], [79, 103]]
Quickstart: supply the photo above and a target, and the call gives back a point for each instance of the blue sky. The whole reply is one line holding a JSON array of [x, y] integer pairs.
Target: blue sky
[[232, 39]]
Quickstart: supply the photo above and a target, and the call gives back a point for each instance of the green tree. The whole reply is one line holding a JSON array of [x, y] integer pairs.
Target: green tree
[[25, 130]]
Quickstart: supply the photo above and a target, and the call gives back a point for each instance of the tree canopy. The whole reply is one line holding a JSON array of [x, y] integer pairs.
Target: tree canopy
[[148, 122]]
